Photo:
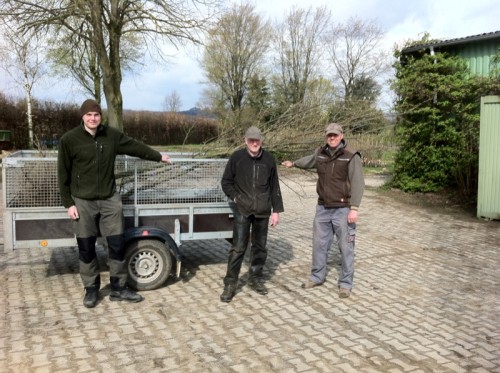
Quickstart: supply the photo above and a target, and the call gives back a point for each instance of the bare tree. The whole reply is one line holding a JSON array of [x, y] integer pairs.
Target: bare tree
[[297, 42], [104, 24], [357, 56], [22, 60], [71, 55], [78, 59], [172, 102], [233, 53]]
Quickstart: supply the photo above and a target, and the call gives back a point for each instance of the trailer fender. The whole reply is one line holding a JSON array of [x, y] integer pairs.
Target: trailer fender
[[137, 233]]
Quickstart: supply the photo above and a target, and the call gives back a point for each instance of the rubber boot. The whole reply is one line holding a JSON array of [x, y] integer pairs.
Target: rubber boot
[[118, 281]]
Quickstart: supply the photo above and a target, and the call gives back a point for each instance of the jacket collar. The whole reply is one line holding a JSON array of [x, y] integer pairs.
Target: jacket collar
[[98, 130], [254, 156], [333, 152]]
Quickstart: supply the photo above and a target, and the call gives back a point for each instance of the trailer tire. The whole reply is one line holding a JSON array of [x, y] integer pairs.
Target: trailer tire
[[149, 263]]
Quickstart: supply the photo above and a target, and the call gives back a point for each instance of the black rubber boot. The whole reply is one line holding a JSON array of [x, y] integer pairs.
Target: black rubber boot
[[257, 285], [228, 293], [91, 297], [125, 294]]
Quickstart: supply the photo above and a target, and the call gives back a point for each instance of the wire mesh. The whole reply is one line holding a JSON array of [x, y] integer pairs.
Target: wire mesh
[[30, 180], [183, 181]]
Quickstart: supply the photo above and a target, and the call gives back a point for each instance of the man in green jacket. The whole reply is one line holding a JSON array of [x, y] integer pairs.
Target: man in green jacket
[[340, 188], [86, 161]]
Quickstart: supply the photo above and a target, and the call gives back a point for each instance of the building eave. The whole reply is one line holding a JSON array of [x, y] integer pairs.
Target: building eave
[[451, 42]]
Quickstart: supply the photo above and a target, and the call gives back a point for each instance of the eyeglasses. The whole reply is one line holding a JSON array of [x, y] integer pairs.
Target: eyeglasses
[[333, 135]]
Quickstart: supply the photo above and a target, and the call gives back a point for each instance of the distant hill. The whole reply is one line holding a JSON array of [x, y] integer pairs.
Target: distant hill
[[193, 112], [196, 112]]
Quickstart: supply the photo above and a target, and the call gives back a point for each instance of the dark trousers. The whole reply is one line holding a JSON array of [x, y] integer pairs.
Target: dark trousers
[[105, 216], [89, 268], [243, 225]]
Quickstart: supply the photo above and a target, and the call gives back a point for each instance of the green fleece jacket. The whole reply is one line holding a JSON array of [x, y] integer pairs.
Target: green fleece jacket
[[86, 163]]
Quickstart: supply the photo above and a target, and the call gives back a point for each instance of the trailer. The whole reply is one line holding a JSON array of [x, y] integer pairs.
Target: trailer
[[163, 206]]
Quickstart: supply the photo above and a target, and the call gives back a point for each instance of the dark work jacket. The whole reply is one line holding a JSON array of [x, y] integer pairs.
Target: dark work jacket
[[86, 163], [333, 187], [252, 182]]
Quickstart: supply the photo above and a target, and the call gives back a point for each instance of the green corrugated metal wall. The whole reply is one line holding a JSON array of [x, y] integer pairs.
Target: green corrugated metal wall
[[478, 56], [488, 195]]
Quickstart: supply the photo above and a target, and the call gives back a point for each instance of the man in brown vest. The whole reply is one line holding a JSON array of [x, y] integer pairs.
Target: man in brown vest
[[340, 188]]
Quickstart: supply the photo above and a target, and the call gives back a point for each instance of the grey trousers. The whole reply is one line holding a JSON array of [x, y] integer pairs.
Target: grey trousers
[[330, 222]]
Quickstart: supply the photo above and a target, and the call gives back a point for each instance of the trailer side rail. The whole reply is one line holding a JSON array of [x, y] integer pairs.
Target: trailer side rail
[[184, 198]]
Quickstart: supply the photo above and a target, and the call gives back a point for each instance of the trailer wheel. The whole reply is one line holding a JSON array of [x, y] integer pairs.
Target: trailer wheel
[[148, 264]]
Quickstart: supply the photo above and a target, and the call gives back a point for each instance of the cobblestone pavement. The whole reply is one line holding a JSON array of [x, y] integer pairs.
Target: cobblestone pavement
[[426, 299]]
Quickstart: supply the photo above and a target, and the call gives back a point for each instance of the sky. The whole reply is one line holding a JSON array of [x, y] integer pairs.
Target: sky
[[400, 20]]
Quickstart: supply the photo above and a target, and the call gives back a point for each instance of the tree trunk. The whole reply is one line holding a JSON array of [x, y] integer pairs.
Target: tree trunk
[[29, 111], [114, 102], [110, 63]]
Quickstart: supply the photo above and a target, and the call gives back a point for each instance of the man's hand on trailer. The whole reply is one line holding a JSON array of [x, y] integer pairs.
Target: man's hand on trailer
[[166, 159]]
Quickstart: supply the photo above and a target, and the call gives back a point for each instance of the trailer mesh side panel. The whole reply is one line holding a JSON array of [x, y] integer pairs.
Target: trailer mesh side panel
[[31, 180], [184, 181]]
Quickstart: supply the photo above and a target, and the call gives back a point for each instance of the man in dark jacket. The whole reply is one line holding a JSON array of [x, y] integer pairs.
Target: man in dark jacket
[[251, 181], [340, 188], [86, 161]]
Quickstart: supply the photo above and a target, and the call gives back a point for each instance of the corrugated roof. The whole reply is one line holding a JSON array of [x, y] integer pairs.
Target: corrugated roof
[[456, 41]]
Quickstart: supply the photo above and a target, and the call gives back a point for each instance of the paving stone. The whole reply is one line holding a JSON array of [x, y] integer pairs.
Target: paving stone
[[423, 301]]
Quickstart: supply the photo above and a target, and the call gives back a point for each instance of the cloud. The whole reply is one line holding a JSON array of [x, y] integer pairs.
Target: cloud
[[147, 89], [400, 20]]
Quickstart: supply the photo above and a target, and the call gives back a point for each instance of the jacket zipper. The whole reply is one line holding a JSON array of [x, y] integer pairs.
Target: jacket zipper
[[254, 197], [98, 150]]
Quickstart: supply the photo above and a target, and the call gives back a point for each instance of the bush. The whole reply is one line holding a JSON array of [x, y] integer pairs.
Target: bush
[[438, 127], [51, 120], [157, 128]]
